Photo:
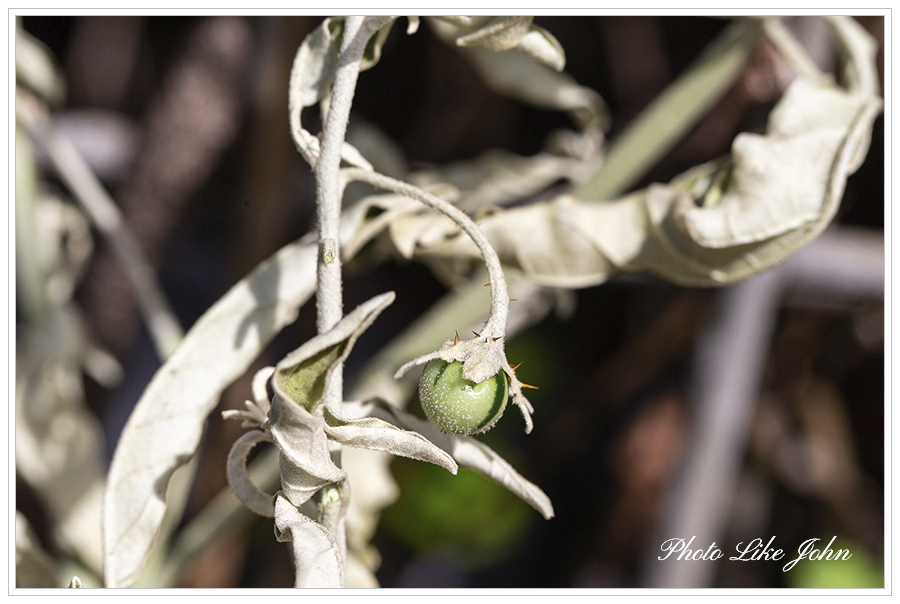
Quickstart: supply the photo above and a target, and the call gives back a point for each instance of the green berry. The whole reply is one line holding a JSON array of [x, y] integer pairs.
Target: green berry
[[457, 405]]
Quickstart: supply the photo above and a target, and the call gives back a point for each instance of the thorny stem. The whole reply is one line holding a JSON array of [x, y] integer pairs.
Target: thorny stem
[[496, 325]]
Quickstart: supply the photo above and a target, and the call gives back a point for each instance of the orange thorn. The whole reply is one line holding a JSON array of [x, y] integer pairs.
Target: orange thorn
[[477, 335], [456, 341], [494, 339], [517, 366], [487, 284], [512, 300], [530, 386]]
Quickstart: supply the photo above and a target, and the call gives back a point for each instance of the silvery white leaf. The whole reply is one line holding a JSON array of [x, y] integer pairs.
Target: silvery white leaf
[[299, 384], [464, 21], [475, 455], [541, 45], [165, 428], [367, 432], [239, 479], [305, 461], [373, 488], [498, 178], [781, 180], [317, 557], [376, 43], [311, 77], [860, 75], [500, 33], [313, 69], [519, 77], [352, 156]]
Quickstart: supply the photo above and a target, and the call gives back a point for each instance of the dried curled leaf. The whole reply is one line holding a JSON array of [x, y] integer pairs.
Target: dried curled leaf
[[517, 76], [318, 561], [239, 479], [715, 224], [301, 425], [498, 34], [306, 464], [312, 75], [779, 182], [299, 383]]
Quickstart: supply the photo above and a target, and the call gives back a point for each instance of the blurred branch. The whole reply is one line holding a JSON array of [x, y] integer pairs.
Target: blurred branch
[[844, 264], [673, 113], [161, 321]]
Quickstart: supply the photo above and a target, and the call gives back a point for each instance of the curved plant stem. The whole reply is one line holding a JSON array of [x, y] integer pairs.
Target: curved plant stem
[[496, 325]]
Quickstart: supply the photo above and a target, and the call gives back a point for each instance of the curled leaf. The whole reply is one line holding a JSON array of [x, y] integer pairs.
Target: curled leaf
[[306, 464], [299, 383], [503, 33], [519, 77], [312, 75], [318, 561], [301, 376], [715, 224], [781, 181], [499, 33], [541, 45], [239, 479]]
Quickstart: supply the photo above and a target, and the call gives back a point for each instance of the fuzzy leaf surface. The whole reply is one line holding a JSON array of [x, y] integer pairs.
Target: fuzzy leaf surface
[[164, 429], [364, 431], [299, 383], [318, 561]]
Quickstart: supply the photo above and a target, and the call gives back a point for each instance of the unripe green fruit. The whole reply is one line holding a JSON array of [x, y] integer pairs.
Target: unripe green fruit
[[457, 405]]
